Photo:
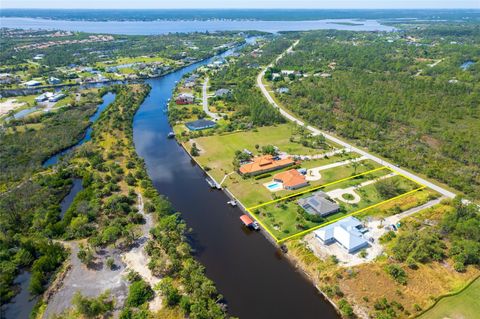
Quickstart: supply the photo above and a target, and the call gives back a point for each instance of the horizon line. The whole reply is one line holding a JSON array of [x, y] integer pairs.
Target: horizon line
[[247, 8]]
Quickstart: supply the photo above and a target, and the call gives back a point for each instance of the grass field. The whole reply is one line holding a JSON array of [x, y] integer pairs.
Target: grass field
[[218, 151], [462, 306]]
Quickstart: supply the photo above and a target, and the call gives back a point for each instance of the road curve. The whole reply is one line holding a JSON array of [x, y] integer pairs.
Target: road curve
[[205, 101], [334, 139]]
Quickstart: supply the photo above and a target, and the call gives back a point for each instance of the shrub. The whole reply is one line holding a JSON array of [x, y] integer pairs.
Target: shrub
[[345, 308], [397, 273], [139, 292]]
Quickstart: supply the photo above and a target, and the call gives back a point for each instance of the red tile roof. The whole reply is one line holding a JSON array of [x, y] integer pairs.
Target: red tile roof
[[265, 163], [290, 178]]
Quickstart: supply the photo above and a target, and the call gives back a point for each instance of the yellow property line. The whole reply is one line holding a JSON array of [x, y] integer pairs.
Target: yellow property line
[[262, 224], [354, 213], [317, 187]]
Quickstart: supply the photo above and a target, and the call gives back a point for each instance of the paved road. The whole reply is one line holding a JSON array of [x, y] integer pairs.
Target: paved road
[[205, 101], [334, 139]]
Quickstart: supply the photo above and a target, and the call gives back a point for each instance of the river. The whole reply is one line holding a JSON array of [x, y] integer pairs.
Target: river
[[256, 280], [250, 272], [107, 99]]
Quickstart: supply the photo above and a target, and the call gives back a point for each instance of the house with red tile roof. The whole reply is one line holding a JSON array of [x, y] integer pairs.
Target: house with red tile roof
[[264, 164], [291, 179]]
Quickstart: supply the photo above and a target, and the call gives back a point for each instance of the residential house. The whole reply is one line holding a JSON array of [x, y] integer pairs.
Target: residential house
[[291, 179], [185, 98], [199, 125], [32, 83], [346, 232], [265, 163], [57, 97], [53, 80], [222, 93], [43, 97], [318, 204]]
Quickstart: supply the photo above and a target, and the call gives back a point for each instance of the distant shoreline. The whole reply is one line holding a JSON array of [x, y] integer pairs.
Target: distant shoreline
[[107, 15]]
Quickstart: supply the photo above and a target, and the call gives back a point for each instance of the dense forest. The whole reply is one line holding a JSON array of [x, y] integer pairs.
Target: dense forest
[[405, 96]]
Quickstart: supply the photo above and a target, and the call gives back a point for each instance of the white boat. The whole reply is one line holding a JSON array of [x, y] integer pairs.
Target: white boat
[[211, 182], [171, 135]]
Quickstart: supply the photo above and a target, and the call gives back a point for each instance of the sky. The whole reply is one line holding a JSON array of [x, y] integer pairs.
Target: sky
[[205, 4]]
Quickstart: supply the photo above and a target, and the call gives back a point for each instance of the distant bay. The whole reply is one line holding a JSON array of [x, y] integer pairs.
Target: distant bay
[[184, 26]]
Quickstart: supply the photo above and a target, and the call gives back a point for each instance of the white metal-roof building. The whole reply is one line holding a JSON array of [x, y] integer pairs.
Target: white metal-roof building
[[345, 232]]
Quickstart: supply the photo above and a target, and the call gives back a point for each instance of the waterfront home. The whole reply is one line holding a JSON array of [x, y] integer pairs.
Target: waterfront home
[[184, 98], [318, 204], [43, 97], [199, 125], [263, 164], [57, 97], [346, 232], [53, 80], [32, 83], [291, 179]]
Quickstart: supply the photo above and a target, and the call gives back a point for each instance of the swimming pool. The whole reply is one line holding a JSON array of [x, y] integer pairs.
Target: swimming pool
[[274, 186]]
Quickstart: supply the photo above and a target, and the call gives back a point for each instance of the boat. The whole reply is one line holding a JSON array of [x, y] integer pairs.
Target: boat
[[232, 203], [171, 135], [211, 182], [249, 223]]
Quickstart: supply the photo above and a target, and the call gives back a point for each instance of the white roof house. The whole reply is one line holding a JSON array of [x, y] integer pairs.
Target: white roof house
[[345, 232], [44, 96], [32, 83]]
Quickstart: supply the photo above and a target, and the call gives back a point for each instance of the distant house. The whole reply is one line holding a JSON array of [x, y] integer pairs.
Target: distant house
[[199, 125], [291, 179], [283, 90], [185, 98], [318, 204], [32, 83], [39, 57], [263, 164], [287, 72], [54, 80], [222, 92], [43, 97], [57, 97], [346, 232]]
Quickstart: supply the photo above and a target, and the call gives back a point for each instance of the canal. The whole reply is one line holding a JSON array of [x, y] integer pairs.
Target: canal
[[255, 279]]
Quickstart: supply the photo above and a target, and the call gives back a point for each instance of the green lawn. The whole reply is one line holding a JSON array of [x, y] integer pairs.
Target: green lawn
[[219, 150], [464, 305]]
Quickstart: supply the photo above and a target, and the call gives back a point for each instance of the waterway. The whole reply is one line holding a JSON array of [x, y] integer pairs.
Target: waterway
[[67, 200], [249, 271], [107, 99], [22, 304], [256, 280], [174, 26]]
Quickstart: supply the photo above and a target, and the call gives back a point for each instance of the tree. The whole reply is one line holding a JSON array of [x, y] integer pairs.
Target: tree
[[194, 150], [93, 307], [139, 292]]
